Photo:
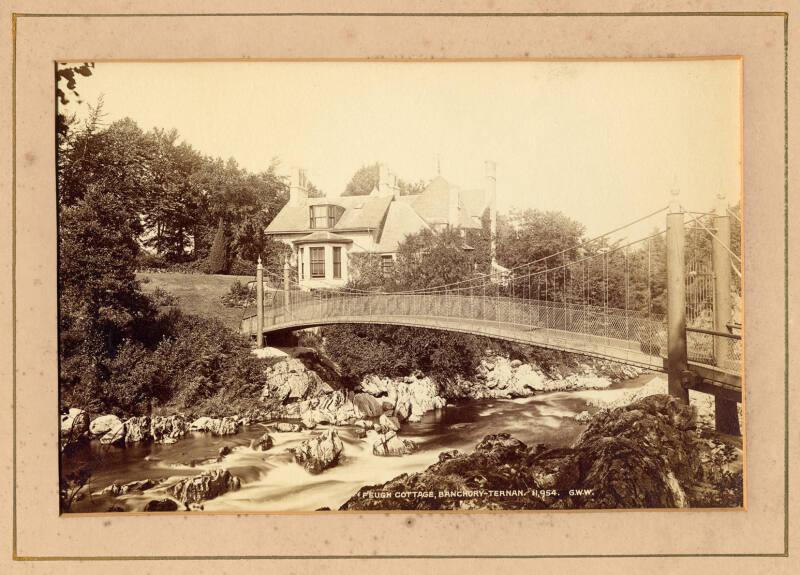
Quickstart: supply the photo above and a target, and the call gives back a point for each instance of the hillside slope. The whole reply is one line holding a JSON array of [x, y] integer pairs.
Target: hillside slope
[[198, 294]]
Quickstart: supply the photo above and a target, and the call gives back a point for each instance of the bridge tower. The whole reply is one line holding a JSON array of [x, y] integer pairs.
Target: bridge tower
[[259, 304], [677, 358], [725, 411]]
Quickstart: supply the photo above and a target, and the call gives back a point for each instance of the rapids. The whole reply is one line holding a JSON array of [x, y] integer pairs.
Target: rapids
[[272, 481]]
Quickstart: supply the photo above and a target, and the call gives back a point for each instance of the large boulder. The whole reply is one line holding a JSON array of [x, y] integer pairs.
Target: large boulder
[[167, 429], [643, 455], [319, 452], [263, 443], [205, 486], [286, 427], [103, 424], [116, 489], [368, 405], [223, 426], [389, 422], [137, 429], [75, 423], [390, 445], [115, 435], [161, 505], [289, 379]]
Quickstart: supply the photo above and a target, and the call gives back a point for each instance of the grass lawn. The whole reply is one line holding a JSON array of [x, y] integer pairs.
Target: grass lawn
[[198, 294]]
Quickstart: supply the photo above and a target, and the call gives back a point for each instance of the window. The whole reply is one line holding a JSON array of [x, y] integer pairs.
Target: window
[[302, 265], [387, 264], [317, 262], [323, 216], [337, 262]]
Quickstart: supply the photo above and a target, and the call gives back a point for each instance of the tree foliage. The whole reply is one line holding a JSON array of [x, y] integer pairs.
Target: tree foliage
[[364, 349], [121, 190], [363, 181]]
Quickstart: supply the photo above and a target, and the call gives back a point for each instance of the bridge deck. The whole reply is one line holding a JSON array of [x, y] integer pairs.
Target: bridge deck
[[618, 335]]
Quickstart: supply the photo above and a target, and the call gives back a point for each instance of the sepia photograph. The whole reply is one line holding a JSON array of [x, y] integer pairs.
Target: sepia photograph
[[348, 286]]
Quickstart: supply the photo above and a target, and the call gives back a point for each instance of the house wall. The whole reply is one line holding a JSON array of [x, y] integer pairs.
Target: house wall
[[328, 281], [363, 241]]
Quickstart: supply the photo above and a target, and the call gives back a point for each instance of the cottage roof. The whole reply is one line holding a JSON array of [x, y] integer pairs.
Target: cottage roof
[[474, 202], [401, 221], [433, 204], [360, 213]]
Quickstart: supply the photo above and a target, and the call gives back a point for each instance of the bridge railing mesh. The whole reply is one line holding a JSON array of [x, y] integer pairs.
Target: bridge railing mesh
[[637, 336]]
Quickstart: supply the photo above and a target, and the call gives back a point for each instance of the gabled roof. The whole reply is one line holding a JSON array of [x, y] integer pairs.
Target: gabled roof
[[475, 202], [401, 221], [433, 204], [360, 213]]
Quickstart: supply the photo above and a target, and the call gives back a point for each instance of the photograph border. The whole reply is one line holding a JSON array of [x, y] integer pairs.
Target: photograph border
[[784, 15]]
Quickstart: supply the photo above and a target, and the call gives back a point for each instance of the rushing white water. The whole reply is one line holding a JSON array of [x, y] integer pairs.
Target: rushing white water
[[272, 481]]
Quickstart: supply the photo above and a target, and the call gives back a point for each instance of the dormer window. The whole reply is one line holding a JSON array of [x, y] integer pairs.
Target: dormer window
[[323, 216]]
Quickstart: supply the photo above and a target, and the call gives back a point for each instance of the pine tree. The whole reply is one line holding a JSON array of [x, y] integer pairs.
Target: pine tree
[[218, 258]]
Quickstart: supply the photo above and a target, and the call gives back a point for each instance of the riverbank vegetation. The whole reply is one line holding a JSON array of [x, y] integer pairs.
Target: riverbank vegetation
[[128, 199]]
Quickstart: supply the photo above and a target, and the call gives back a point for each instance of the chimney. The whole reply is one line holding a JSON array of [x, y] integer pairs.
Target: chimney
[[298, 191], [490, 200], [453, 208], [384, 187]]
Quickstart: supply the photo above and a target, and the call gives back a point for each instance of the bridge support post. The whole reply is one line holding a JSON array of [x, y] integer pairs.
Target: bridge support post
[[286, 303], [677, 361], [259, 304], [725, 411]]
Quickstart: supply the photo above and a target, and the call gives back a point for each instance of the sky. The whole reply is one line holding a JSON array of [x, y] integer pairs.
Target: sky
[[603, 142]]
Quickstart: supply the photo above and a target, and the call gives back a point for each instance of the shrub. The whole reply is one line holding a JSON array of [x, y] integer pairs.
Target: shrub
[[392, 351], [197, 366], [239, 295], [162, 297]]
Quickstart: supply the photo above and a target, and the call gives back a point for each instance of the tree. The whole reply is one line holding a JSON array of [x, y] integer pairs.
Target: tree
[[429, 259], [363, 181], [218, 258], [67, 83]]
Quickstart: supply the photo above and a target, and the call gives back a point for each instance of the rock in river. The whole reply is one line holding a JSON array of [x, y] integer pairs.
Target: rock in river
[[319, 452], [137, 429], [167, 429], [205, 486], [390, 445], [389, 422], [161, 505], [286, 427], [103, 424], [224, 426], [263, 443]]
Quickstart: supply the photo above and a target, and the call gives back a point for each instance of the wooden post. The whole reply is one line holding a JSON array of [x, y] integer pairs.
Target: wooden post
[[286, 302], [677, 362], [725, 411], [259, 304]]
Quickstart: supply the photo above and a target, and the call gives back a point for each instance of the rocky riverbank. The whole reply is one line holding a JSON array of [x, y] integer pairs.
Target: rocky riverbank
[[293, 391], [648, 454], [296, 400]]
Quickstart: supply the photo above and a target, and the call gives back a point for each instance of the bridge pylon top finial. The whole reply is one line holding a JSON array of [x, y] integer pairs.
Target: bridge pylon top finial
[[675, 201]]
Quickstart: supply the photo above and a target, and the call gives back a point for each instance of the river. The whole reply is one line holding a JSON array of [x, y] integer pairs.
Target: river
[[272, 481]]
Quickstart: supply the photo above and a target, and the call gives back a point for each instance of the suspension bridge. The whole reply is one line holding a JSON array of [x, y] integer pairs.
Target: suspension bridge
[[661, 302]]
